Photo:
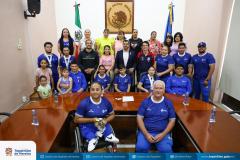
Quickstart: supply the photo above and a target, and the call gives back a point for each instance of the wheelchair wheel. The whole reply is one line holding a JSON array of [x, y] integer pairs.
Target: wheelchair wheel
[[78, 141]]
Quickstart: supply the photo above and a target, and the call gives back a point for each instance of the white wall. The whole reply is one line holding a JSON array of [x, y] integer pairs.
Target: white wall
[[198, 20], [209, 23], [149, 15], [18, 66], [229, 79]]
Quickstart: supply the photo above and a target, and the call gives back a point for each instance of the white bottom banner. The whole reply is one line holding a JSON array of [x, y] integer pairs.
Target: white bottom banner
[[17, 150]]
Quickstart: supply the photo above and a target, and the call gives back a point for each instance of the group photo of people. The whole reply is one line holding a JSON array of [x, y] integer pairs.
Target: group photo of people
[[122, 65], [108, 64], [120, 79]]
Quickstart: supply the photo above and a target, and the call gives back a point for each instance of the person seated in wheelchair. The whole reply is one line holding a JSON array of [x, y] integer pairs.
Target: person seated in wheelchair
[[93, 116], [155, 119]]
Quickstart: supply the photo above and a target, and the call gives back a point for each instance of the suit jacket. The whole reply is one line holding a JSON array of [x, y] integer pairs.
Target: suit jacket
[[131, 63]]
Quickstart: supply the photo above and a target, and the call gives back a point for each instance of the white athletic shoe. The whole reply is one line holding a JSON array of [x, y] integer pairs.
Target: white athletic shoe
[[111, 138], [92, 144]]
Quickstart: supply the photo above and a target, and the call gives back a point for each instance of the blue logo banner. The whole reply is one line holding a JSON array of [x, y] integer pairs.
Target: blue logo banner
[[146, 156], [140, 156]]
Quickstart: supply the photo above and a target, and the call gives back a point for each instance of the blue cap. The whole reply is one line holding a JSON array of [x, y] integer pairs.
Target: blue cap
[[202, 44]]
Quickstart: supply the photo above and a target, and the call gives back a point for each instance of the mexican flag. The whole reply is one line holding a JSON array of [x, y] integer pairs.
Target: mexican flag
[[77, 16]]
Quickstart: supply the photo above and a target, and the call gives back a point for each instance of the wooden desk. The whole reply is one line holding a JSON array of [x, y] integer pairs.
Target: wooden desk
[[70, 101], [19, 127], [223, 136]]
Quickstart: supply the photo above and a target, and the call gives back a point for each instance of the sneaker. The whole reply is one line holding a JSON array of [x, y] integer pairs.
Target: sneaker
[[111, 138], [92, 144]]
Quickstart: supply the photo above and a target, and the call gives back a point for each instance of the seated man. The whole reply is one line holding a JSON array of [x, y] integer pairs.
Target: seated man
[[179, 84], [79, 83], [155, 119], [94, 114]]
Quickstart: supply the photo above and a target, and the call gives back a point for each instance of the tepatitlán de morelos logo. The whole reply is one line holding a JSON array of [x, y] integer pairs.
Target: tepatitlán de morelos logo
[[8, 151], [16, 150]]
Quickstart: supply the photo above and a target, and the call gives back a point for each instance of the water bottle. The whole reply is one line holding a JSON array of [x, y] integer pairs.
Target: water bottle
[[55, 96], [35, 121], [186, 100], [213, 115]]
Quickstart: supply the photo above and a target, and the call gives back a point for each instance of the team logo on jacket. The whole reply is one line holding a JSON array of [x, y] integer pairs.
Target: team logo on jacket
[[149, 109], [90, 111], [104, 111], [163, 110]]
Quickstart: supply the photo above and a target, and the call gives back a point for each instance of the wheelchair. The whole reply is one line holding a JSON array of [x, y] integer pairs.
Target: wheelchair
[[81, 145]]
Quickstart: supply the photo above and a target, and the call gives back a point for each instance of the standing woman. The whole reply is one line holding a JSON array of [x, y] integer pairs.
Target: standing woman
[[66, 41], [168, 41], [164, 64], [87, 36], [178, 37], [108, 61], [119, 41], [154, 44]]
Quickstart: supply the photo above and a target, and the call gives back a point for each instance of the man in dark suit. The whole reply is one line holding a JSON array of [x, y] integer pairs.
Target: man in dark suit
[[127, 58]]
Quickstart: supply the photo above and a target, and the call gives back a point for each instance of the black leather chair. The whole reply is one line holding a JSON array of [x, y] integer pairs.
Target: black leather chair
[[5, 114], [233, 112]]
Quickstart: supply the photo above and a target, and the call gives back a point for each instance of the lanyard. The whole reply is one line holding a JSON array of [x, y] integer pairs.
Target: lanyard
[[67, 60], [151, 79], [49, 58]]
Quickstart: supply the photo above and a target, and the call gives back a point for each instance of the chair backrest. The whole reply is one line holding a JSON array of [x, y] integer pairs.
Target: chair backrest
[[4, 114], [233, 112], [34, 96]]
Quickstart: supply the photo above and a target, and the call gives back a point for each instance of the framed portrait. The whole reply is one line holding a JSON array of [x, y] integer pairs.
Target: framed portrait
[[119, 15]]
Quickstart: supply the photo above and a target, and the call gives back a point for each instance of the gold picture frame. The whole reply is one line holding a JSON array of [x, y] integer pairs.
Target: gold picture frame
[[119, 15]]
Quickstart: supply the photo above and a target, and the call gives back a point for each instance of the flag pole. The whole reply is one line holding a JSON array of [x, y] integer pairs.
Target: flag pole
[[168, 30], [78, 32]]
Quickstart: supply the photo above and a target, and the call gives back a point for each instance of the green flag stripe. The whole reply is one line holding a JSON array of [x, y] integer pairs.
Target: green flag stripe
[[77, 16]]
